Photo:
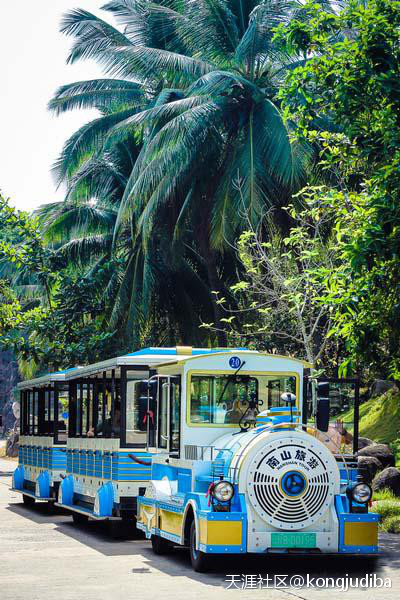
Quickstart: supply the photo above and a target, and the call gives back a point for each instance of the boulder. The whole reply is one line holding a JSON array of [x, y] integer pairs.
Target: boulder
[[363, 442], [368, 467], [380, 451], [12, 445], [388, 478], [8, 416], [380, 386]]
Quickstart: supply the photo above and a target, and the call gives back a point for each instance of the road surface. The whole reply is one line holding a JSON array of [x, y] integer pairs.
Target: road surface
[[43, 556]]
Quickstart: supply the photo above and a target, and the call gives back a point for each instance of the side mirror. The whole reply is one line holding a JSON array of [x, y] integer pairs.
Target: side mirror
[[322, 416], [323, 389]]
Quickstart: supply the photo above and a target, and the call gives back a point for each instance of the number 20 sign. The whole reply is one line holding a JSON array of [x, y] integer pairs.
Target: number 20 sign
[[235, 362]]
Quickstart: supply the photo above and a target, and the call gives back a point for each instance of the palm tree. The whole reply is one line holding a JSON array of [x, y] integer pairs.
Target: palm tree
[[193, 84]]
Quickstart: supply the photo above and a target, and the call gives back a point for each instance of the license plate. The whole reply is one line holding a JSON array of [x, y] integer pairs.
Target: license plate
[[293, 540]]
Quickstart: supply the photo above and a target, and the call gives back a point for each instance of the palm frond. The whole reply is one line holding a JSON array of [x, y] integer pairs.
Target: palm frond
[[84, 250], [153, 64], [93, 36], [97, 93], [89, 138]]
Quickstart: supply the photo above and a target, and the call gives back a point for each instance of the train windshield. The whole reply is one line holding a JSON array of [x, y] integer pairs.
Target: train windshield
[[222, 399]]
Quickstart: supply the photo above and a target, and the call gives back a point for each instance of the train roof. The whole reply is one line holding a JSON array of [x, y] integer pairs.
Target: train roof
[[147, 358], [141, 359], [180, 360], [45, 379]]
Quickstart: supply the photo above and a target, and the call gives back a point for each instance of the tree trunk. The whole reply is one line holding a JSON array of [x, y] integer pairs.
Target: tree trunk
[[215, 286], [213, 280]]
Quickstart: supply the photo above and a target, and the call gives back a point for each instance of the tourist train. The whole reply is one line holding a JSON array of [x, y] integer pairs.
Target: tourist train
[[223, 451]]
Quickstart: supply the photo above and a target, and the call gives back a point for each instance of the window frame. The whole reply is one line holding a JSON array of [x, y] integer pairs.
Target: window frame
[[145, 374], [356, 407], [57, 388], [176, 452]]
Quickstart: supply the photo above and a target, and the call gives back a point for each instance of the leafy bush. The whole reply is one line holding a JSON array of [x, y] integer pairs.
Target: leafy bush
[[387, 508], [385, 494], [391, 524]]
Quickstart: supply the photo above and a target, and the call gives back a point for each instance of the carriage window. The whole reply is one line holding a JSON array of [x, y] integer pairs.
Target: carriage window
[[46, 415], [63, 416], [30, 414], [25, 412], [84, 410], [163, 414], [175, 416], [35, 413], [136, 412], [218, 399], [272, 387]]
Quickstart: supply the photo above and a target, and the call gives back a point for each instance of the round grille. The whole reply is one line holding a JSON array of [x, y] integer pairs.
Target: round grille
[[291, 482]]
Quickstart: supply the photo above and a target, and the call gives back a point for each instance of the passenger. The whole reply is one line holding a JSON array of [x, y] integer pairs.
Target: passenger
[[110, 427], [234, 414]]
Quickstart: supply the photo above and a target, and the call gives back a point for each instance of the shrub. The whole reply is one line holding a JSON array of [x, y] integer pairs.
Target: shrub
[[391, 524], [385, 494], [387, 508]]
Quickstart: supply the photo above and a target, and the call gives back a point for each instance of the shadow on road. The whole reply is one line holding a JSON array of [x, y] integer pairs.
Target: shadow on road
[[96, 536]]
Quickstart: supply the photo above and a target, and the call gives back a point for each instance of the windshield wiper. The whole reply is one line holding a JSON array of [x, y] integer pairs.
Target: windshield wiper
[[230, 377]]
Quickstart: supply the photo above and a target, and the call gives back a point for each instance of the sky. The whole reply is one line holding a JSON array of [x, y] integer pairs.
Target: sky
[[32, 66]]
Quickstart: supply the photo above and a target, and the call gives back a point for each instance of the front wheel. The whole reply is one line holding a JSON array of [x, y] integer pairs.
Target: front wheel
[[28, 500], [160, 545], [79, 519], [200, 560]]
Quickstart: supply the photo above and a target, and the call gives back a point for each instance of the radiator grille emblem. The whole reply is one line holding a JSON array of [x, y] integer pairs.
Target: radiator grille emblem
[[291, 482]]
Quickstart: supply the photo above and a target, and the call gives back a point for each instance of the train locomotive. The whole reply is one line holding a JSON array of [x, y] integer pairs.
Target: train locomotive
[[251, 475]]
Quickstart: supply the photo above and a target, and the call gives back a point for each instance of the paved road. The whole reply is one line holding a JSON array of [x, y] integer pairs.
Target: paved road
[[45, 557]]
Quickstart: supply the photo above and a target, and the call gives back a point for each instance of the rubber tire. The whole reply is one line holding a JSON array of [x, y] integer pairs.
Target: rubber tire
[[201, 561], [79, 519], [28, 500], [160, 545], [116, 529]]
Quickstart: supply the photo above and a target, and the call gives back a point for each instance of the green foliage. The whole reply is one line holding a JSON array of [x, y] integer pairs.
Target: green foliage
[[345, 100], [387, 508], [189, 100], [385, 494], [62, 324], [283, 280], [12, 315], [380, 420], [391, 524]]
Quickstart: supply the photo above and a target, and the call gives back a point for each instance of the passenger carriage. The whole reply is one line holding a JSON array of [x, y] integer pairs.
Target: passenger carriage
[[43, 436], [108, 458], [238, 467]]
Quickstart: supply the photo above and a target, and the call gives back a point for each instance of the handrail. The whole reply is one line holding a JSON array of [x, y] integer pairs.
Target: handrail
[[140, 461]]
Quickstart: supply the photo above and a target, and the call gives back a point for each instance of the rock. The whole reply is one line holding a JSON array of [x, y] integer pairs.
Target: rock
[[388, 478], [8, 417], [380, 386], [368, 467], [380, 451], [12, 444], [363, 442]]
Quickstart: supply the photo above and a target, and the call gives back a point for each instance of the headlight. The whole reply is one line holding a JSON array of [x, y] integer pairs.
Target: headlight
[[361, 493], [223, 491]]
